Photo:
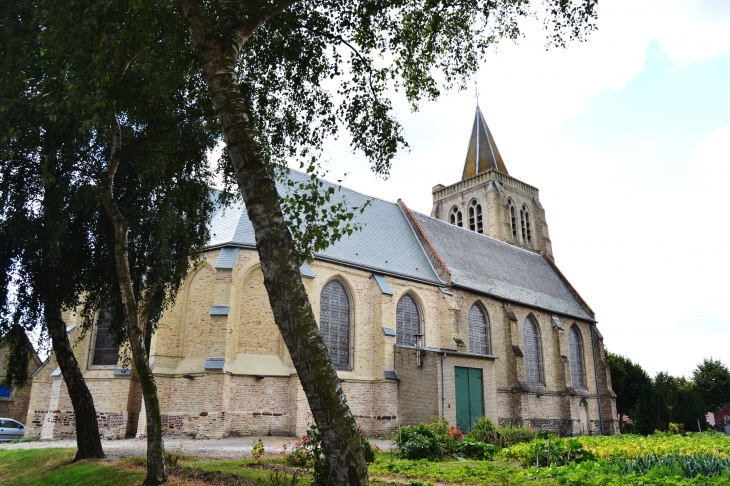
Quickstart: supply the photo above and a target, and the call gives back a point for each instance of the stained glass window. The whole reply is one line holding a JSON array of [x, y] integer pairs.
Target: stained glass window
[[407, 322], [478, 331], [335, 323], [577, 371], [533, 355], [105, 352]]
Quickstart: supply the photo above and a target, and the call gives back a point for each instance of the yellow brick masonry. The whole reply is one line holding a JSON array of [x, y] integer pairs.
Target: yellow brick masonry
[[257, 392]]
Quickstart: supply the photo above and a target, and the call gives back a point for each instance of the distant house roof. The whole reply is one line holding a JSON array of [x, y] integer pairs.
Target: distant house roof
[[493, 267], [386, 244]]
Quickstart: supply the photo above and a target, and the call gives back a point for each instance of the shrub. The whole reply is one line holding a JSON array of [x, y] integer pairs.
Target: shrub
[[473, 449], [515, 434], [676, 429], [484, 430], [434, 440]]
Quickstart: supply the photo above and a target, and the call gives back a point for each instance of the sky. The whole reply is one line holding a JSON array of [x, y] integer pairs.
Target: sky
[[627, 137]]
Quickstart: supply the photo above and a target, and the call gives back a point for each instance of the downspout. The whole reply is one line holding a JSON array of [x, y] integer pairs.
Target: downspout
[[443, 386], [598, 387]]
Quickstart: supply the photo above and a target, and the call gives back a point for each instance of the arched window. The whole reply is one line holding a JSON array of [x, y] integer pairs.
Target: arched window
[[105, 352], [407, 321], [478, 331], [513, 218], [475, 217], [455, 217], [533, 354], [526, 233], [577, 368], [335, 323]]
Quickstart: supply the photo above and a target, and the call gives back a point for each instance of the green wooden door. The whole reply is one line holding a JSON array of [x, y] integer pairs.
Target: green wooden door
[[469, 397]]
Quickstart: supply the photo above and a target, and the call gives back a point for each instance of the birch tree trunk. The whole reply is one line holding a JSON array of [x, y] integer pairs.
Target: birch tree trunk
[[156, 473], [279, 262], [88, 440]]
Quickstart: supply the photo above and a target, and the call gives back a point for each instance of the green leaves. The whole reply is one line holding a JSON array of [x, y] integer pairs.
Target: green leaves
[[315, 212]]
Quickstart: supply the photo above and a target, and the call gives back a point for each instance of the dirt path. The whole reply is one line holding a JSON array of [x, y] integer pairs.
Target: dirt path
[[228, 448]]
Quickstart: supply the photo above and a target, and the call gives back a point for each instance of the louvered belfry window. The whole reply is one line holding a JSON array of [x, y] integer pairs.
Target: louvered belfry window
[[335, 324], [478, 331], [407, 322], [533, 356], [577, 371], [105, 353]]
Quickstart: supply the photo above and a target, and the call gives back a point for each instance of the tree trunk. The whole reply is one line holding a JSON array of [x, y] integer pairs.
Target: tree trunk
[[279, 262], [156, 473], [88, 440]]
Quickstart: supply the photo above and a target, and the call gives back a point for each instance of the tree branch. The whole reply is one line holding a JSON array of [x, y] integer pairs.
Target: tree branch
[[244, 30]]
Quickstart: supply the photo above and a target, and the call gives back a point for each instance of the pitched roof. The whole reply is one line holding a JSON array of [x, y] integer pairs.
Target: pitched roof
[[482, 153], [386, 244], [492, 267]]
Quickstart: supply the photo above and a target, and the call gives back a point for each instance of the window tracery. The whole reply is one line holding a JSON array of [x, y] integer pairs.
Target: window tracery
[[533, 353], [478, 331], [335, 323], [577, 365], [407, 321]]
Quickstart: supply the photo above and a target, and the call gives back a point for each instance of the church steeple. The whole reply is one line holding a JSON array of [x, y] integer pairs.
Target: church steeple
[[482, 154]]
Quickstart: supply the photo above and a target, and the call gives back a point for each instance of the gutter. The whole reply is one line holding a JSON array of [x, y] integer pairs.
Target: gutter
[[443, 386]]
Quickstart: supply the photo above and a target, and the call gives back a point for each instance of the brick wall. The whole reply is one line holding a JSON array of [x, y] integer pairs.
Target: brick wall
[[418, 388]]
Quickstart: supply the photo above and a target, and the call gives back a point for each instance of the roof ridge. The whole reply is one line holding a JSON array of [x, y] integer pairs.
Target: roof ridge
[[369, 196], [480, 234], [425, 237]]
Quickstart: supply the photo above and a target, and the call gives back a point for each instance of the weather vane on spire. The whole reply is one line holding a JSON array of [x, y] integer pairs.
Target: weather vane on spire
[[476, 92]]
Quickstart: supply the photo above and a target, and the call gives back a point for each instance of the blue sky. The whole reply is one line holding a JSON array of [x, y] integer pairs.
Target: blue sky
[[628, 139]]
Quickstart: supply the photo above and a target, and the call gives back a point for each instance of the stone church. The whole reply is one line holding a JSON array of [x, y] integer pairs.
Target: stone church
[[459, 314]]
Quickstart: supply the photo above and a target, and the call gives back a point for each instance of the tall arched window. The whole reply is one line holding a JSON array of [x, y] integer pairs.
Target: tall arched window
[[513, 218], [577, 368], [533, 354], [475, 217], [105, 352], [455, 217], [478, 331], [407, 321], [526, 232], [335, 323]]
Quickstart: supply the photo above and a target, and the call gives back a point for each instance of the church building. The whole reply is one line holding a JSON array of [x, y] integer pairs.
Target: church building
[[460, 314]]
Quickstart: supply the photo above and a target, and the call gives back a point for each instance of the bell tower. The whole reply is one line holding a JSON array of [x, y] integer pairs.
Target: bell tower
[[489, 201]]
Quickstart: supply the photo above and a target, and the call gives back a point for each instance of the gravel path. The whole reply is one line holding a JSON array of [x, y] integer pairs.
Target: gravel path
[[228, 448]]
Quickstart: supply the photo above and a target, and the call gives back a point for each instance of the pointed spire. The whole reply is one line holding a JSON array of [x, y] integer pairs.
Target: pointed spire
[[482, 154]]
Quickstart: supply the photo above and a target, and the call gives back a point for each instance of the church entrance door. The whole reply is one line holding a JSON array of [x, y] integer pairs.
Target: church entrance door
[[469, 397]]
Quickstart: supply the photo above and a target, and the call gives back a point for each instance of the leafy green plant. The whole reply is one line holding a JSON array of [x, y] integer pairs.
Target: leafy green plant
[[484, 430], [689, 466], [257, 452], [515, 434], [434, 440], [473, 449], [550, 450]]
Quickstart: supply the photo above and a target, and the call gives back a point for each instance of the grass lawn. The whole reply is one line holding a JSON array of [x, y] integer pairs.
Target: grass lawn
[[53, 467], [610, 465]]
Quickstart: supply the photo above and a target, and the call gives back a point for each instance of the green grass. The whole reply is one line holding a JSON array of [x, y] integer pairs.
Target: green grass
[[53, 467], [242, 468]]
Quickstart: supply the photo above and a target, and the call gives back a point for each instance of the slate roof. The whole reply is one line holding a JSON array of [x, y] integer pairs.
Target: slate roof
[[490, 266], [482, 154], [386, 244]]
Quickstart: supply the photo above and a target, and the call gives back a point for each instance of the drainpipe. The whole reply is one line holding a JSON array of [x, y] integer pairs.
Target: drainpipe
[[598, 386], [443, 386]]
